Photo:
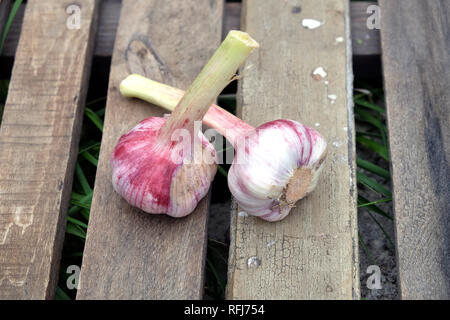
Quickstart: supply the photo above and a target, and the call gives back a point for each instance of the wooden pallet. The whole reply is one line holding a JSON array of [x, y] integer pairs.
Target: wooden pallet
[[311, 254]]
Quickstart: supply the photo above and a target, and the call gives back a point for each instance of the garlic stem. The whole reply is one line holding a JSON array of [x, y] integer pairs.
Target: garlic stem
[[214, 77], [167, 97]]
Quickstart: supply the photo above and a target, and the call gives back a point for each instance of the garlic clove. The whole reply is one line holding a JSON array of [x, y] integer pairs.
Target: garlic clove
[[145, 174], [279, 165]]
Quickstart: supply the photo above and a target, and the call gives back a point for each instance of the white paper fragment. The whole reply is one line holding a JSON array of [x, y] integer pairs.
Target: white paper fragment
[[243, 214], [317, 124], [254, 262], [340, 39], [311, 23], [345, 129], [319, 73], [332, 98]]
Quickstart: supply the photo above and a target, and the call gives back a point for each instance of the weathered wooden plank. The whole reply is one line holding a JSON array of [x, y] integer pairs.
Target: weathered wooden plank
[[130, 254], [416, 63], [313, 253], [38, 144], [366, 43]]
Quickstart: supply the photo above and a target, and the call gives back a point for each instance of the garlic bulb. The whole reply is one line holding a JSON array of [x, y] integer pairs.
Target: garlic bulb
[[278, 165], [155, 166], [146, 173], [275, 165]]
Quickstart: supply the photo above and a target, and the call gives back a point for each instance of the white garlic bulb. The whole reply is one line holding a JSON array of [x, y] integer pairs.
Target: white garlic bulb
[[279, 165]]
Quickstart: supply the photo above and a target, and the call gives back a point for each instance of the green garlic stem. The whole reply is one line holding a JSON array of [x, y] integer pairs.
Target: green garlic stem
[[214, 77]]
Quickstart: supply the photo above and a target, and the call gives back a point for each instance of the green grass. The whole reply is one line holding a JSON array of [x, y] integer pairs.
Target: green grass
[[81, 197], [216, 269], [12, 15], [373, 141]]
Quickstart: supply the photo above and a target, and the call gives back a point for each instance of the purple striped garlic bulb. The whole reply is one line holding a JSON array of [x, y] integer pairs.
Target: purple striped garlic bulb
[[275, 165], [155, 175]]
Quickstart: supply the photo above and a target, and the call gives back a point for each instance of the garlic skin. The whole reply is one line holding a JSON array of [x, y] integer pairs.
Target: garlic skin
[[145, 174], [279, 164]]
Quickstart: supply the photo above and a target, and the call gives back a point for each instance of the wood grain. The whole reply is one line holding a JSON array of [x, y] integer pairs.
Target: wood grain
[[313, 253], [130, 254], [366, 43], [39, 138], [416, 62]]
